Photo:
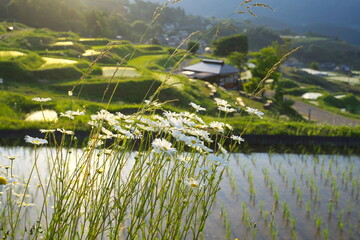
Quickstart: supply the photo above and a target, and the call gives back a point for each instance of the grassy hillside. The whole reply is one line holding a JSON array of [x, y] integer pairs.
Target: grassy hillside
[[61, 62], [325, 50]]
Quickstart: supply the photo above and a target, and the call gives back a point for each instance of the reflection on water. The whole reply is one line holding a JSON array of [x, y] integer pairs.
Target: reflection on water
[[294, 197], [263, 196], [46, 115]]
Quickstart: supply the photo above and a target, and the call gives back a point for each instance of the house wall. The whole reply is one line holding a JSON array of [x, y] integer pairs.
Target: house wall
[[228, 81]]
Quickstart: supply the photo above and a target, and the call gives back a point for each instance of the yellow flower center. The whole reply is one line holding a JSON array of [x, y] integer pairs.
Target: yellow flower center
[[3, 181]]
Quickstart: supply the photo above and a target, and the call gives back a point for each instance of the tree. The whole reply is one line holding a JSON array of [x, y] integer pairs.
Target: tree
[[263, 60], [139, 26], [193, 46], [314, 65], [226, 45], [238, 59]]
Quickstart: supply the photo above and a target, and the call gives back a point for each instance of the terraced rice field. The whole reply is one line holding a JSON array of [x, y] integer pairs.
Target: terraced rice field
[[120, 72], [11, 54]]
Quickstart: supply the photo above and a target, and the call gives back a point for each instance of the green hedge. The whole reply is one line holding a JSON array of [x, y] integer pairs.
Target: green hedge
[[128, 90], [349, 102], [13, 72], [63, 73], [31, 61]]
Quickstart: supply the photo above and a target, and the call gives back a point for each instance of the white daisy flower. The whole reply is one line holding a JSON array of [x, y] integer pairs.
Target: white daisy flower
[[63, 131], [193, 142], [75, 113], [11, 157], [119, 115], [184, 159], [228, 126], [105, 115], [137, 133], [176, 123], [226, 109], [37, 99], [216, 160], [95, 143], [197, 107], [124, 132], [237, 138], [47, 130], [254, 111], [104, 137], [203, 149], [217, 126], [67, 115], [222, 149], [205, 170], [205, 135], [221, 102], [35, 141], [163, 146], [155, 104], [193, 183], [107, 132]]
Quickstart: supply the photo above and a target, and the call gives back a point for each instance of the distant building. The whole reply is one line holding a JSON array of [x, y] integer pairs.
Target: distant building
[[213, 71]]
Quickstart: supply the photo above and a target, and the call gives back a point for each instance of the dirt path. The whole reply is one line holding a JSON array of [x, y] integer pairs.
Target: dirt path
[[322, 116]]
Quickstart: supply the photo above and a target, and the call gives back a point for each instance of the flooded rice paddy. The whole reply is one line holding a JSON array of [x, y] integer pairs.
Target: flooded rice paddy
[[262, 196], [288, 196]]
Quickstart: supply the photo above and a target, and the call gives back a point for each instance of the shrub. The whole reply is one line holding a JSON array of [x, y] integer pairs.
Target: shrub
[[13, 72], [152, 48], [63, 73], [31, 61], [332, 101], [226, 45], [287, 83]]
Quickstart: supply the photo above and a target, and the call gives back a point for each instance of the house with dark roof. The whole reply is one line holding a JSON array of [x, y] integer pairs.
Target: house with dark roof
[[213, 71]]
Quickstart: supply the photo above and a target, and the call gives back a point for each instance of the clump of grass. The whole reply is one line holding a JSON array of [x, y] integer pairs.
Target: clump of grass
[[148, 175]]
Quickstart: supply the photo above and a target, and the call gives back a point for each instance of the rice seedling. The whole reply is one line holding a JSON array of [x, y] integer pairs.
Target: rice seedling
[[350, 230], [308, 207], [330, 165], [292, 223], [251, 185], [271, 183], [274, 231], [265, 172], [261, 206], [326, 233], [286, 212], [232, 180], [318, 221], [265, 215], [340, 221], [245, 212], [254, 230], [330, 207], [293, 234], [293, 185], [299, 194], [226, 222], [276, 195]]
